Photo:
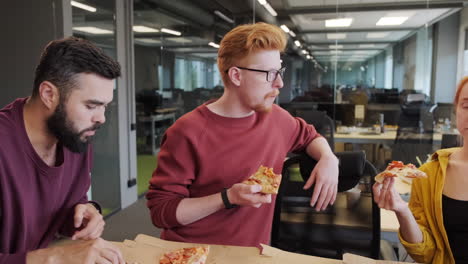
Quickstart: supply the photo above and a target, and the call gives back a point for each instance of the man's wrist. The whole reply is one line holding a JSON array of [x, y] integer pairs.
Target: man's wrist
[[96, 205], [330, 156], [225, 198]]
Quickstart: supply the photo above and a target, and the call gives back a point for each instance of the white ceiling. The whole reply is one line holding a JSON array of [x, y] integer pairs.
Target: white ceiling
[[366, 20], [304, 3]]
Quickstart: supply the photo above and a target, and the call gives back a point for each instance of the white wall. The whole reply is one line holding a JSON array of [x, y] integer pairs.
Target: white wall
[[388, 83], [445, 61], [461, 43], [380, 70], [423, 72]]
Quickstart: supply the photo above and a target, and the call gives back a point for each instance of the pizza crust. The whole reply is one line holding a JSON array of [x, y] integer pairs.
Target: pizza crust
[[265, 177]]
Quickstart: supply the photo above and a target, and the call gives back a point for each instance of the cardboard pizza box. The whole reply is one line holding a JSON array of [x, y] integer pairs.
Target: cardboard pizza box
[[147, 250]]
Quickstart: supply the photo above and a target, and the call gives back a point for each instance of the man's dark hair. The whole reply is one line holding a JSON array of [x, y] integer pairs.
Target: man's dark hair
[[62, 59]]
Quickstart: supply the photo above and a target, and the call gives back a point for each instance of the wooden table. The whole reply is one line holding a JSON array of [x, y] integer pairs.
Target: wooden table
[[369, 138]]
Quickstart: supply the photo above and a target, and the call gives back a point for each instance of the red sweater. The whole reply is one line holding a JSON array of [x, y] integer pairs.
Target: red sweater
[[36, 200], [202, 153]]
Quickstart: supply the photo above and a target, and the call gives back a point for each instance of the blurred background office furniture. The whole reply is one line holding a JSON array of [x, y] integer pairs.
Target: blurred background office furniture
[[352, 224], [322, 123], [451, 141], [414, 139]]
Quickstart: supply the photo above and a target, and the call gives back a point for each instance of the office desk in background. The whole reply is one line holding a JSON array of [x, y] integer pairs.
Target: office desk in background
[[161, 115], [370, 138]]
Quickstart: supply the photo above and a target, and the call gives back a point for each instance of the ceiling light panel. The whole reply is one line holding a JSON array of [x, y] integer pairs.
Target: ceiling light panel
[[391, 21], [93, 30], [339, 22], [144, 29]]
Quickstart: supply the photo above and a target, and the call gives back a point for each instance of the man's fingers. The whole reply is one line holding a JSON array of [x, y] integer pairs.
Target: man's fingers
[[311, 180], [90, 227], [79, 215], [102, 260], [322, 198], [315, 194], [116, 251], [255, 188], [110, 256], [328, 199], [335, 193], [261, 198], [97, 232]]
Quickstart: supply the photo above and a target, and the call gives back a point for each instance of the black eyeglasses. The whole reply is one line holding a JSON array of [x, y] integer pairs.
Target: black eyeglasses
[[270, 75]]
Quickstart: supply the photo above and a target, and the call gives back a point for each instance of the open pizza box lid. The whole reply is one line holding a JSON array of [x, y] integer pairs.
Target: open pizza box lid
[[148, 250]]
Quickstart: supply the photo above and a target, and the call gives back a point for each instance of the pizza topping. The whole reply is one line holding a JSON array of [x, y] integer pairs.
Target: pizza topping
[[404, 172], [396, 164], [194, 255], [266, 178]]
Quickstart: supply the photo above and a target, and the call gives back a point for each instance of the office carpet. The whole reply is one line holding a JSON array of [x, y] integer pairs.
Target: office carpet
[[129, 222]]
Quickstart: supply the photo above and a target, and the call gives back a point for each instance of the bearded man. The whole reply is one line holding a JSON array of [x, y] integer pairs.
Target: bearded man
[[45, 158]]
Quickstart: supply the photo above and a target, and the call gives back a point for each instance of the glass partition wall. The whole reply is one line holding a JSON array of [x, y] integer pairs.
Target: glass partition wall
[[372, 75], [175, 71], [372, 67], [97, 24]]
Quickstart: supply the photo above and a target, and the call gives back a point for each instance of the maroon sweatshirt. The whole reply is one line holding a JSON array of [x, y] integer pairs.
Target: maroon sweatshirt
[[202, 153], [36, 200]]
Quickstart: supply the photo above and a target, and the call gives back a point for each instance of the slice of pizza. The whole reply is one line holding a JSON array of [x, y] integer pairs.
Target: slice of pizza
[[404, 172], [193, 255], [265, 177]]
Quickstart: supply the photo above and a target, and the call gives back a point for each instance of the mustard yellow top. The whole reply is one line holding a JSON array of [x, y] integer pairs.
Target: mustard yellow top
[[426, 205]]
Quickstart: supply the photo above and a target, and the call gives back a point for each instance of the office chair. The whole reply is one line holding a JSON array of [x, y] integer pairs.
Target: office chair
[[414, 139], [451, 141], [339, 229], [322, 123]]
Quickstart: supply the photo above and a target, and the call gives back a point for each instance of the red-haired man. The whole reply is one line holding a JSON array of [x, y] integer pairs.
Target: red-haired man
[[208, 152]]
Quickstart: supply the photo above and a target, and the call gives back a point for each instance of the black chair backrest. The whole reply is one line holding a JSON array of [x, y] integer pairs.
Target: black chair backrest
[[321, 121], [414, 139], [351, 168], [308, 237]]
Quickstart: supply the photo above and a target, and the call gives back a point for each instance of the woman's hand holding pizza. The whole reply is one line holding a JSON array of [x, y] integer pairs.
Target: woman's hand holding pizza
[[247, 195], [387, 197]]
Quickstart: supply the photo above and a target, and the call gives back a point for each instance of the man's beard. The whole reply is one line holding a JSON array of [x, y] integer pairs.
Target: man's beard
[[262, 108], [62, 128]]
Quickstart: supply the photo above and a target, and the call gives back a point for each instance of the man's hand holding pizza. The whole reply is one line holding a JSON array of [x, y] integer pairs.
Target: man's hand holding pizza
[[257, 189], [247, 195]]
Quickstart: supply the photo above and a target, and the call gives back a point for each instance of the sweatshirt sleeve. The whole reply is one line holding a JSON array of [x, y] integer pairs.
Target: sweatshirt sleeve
[[301, 134], [421, 252], [169, 184], [17, 258]]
